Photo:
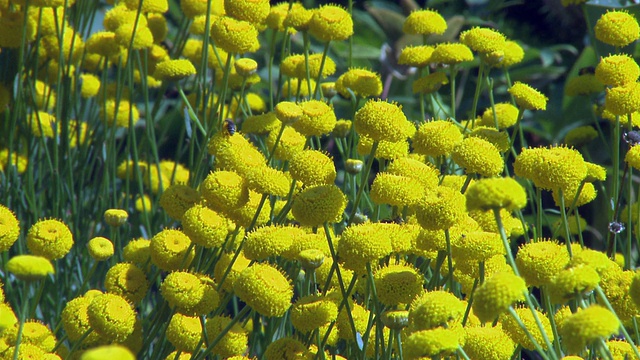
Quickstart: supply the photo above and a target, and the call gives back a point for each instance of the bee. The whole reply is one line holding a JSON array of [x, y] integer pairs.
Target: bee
[[396, 220], [230, 126], [588, 70]]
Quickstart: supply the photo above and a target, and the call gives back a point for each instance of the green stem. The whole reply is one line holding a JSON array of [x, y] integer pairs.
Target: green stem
[[363, 181]]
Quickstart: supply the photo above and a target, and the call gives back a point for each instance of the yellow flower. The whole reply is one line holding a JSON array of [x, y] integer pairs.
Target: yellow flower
[[432, 343], [174, 70], [387, 150], [319, 204], [245, 66], [617, 70], [29, 267], [222, 265], [169, 250], [119, 113], [496, 294], [477, 245], [552, 168], [381, 120], [436, 138], [486, 342], [527, 97], [128, 281], [111, 316], [75, 321], [50, 238], [360, 317], [252, 11], [441, 209], [426, 174], [261, 124], [269, 241], [418, 56], [451, 54], [617, 28], [499, 139], [137, 251], [506, 116], [620, 349], [100, 248], [243, 216], [623, 100], [42, 124], [9, 228], [189, 293], [478, 156], [18, 160], [205, 227], [113, 351], [633, 157], [235, 153], [177, 198], [541, 261], [483, 40], [396, 190], [396, 283], [184, 332], [289, 65], [424, 22], [265, 289], [585, 327], [158, 26], [331, 23], [90, 85], [267, 180], [277, 15], [233, 343], [103, 43], [298, 17], [362, 82], [496, 193], [583, 85], [312, 167], [148, 6], [224, 190], [430, 83], [139, 37], [515, 331], [313, 311], [12, 25], [291, 143], [362, 244], [513, 54], [315, 60], [286, 348], [572, 282], [317, 118], [580, 136], [235, 36], [432, 309], [194, 8]]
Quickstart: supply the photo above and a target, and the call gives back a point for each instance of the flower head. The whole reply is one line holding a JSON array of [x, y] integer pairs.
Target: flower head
[[405, 166], [396, 190], [441, 209], [623, 100], [617, 70], [270, 241], [205, 227], [477, 155], [170, 250], [253, 11], [432, 343], [584, 84], [184, 332], [436, 138], [552, 168], [137, 251], [418, 56], [9, 228], [314, 61], [29, 267], [483, 40], [235, 36], [291, 143], [100, 248], [313, 311], [451, 54], [50, 238], [515, 331], [243, 216], [75, 321], [539, 262], [424, 22], [237, 267], [528, 97], [313, 167], [382, 121], [397, 283], [174, 70], [317, 118], [189, 293], [113, 351], [587, 326], [363, 244], [111, 316], [496, 193], [331, 23], [432, 309], [265, 289], [486, 342], [506, 116], [617, 28], [571, 282], [128, 281], [496, 294], [233, 342], [361, 82], [319, 204]]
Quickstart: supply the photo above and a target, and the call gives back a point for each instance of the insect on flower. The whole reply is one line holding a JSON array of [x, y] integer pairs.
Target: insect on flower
[[230, 126]]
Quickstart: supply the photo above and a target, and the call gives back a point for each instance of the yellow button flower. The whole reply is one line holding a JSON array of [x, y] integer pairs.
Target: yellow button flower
[[397, 283], [317, 118], [128, 281], [319, 204], [483, 40], [585, 327], [331, 23], [233, 343], [396, 190], [418, 56], [108, 352], [432, 343], [515, 331], [432, 309], [174, 70], [235, 36], [583, 85], [111, 316], [29, 267], [252, 11], [362, 82], [100, 248], [617, 28], [9, 228], [527, 97], [381, 120], [617, 70], [572, 282], [541, 261], [451, 54], [436, 138], [313, 167], [50, 238], [441, 209], [184, 332], [496, 193], [430, 83], [426, 174], [623, 100], [479, 156], [506, 116], [496, 294], [313, 311], [205, 227], [424, 22], [265, 289], [363, 244], [169, 250], [269, 241]]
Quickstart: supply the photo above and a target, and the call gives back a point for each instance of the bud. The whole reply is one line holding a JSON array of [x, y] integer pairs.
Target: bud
[[245, 67], [353, 166], [328, 89], [311, 259], [395, 319], [115, 217]]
